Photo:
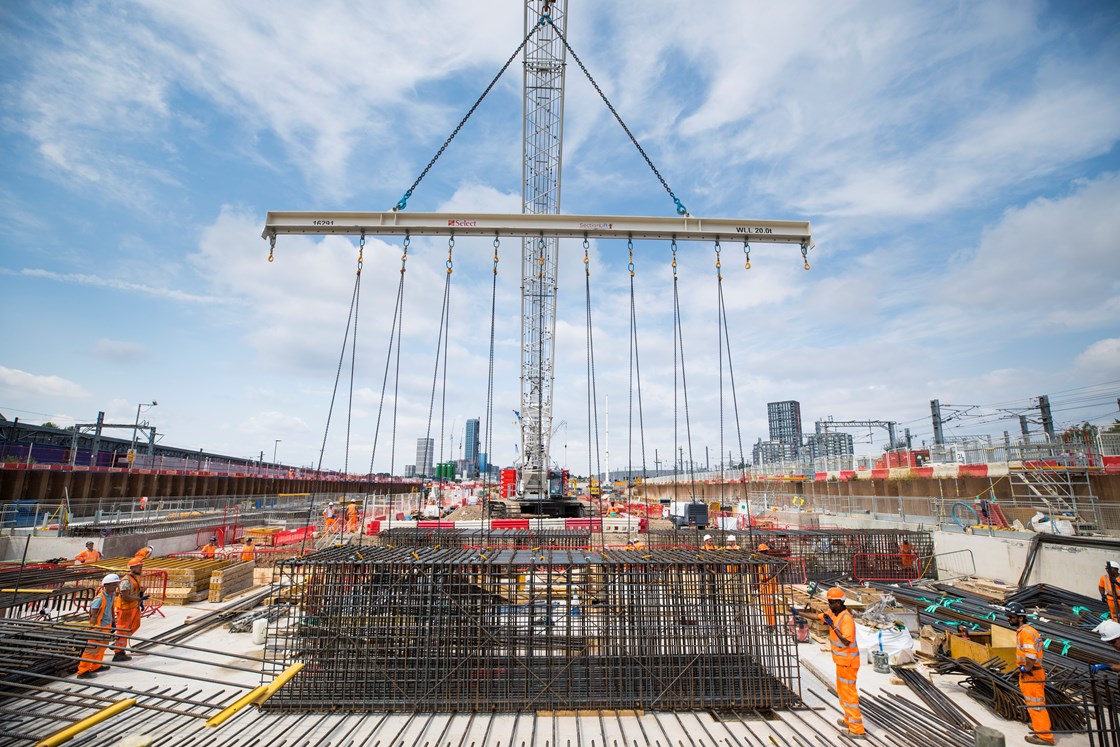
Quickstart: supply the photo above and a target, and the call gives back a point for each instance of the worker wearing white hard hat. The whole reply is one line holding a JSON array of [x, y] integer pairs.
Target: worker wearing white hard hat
[[732, 543], [709, 543], [100, 626], [1109, 631]]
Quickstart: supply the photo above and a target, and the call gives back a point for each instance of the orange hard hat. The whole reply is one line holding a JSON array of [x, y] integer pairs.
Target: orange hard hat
[[135, 561], [763, 547], [835, 593]]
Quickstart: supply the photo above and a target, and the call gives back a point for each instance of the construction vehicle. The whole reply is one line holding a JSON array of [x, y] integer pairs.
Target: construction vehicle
[[688, 514]]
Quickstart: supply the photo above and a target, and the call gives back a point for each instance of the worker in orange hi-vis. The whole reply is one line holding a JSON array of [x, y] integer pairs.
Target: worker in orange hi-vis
[[249, 551], [88, 555], [709, 543], [328, 517], [845, 655], [101, 626], [129, 605], [352, 517], [210, 548], [1032, 677], [768, 587], [1109, 587], [144, 553], [909, 557]]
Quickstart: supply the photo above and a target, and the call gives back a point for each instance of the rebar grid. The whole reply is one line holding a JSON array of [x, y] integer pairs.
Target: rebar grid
[[450, 629], [827, 553], [510, 539]]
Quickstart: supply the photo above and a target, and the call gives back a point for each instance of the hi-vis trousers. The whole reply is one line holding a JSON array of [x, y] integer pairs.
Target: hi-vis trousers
[[849, 696], [1034, 693]]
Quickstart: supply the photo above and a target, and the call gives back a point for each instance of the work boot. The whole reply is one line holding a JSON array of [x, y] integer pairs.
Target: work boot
[[1032, 739], [842, 723], [853, 735], [121, 656], [87, 675]]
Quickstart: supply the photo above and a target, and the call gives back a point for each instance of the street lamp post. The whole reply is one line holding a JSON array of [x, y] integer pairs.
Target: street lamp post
[[136, 425], [274, 445]]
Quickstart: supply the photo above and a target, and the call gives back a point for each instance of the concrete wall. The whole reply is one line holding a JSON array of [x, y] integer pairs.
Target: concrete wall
[[115, 546], [1002, 558]]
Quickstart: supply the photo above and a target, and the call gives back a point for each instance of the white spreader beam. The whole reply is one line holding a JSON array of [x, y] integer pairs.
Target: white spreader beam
[[688, 228]]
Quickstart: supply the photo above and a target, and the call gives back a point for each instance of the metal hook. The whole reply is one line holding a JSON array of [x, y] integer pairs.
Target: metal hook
[[271, 245], [746, 254]]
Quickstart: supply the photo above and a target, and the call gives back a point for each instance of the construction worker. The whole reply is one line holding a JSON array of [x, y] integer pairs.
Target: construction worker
[[352, 517], [1110, 633], [709, 543], [732, 543], [249, 552], [88, 555], [101, 626], [328, 517], [909, 557], [210, 548], [768, 587], [1032, 677], [129, 604], [1109, 587], [845, 655], [144, 553]]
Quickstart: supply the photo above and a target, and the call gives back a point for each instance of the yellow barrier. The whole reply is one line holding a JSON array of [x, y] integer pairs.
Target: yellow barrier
[[75, 729], [256, 696]]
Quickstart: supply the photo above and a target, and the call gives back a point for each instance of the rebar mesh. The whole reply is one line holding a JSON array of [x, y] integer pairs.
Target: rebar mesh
[[827, 553], [449, 629], [513, 539]]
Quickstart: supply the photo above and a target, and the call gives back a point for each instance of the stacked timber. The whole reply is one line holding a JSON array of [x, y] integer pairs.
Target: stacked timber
[[262, 536], [230, 580], [188, 579]]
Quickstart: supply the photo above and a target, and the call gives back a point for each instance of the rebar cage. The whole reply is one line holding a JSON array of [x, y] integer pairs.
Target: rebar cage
[[517, 630], [516, 539], [826, 553]]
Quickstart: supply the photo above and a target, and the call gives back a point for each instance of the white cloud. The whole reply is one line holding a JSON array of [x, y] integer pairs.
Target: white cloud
[[117, 284], [1101, 360], [16, 383]]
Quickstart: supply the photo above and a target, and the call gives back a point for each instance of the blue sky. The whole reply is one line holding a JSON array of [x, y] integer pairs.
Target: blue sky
[[958, 161]]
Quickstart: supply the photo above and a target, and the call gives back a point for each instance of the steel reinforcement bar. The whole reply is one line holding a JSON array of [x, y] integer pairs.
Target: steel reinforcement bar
[[477, 630]]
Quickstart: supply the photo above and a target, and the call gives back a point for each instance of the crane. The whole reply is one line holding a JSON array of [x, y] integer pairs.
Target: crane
[[542, 140], [540, 227]]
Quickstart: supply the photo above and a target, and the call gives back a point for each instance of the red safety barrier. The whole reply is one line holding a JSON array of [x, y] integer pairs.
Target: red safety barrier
[[509, 524], [434, 524], [155, 586], [885, 567], [292, 536], [595, 525], [373, 526]]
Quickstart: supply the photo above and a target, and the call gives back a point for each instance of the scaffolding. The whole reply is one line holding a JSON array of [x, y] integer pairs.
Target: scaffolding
[[510, 539], [518, 630]]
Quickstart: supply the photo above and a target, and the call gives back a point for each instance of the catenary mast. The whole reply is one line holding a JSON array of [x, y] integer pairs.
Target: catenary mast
[[543, 126]]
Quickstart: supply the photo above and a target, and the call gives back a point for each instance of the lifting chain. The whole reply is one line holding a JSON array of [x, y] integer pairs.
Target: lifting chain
[[271, 245], [586, 259], [450, 249], [540, 250], [805, 254], [404, 254], [361, 251], [719, 272], [497, 243], [630, 266], [746, 255], [401, 203], [681, 209], [674, 247]]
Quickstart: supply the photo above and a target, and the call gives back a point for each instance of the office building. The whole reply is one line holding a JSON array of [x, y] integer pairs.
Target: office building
[[470, 451], [785, 422], [425, 450]]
